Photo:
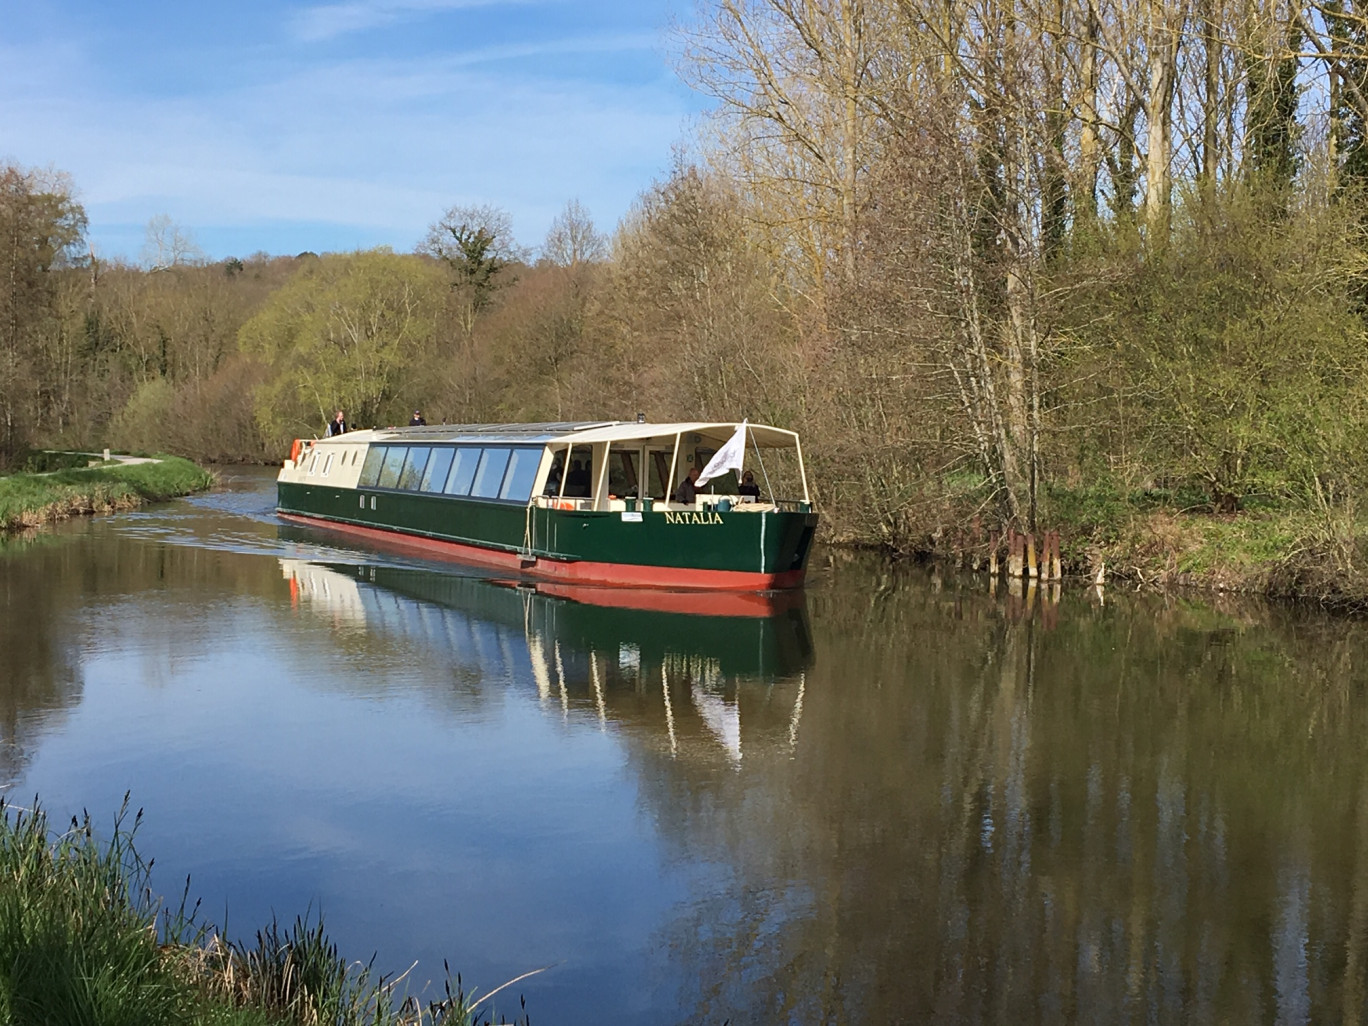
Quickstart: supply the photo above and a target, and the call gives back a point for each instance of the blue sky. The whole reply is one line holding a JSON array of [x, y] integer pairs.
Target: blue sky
[[339, 125]]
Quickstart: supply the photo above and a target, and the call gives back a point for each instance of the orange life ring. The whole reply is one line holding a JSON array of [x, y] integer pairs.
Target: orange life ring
[[295, 450]]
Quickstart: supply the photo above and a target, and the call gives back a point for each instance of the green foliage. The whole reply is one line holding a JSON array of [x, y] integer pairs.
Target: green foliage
[[347, 332], [84, 940], [41, 226], [142, 423], [78, 940], [43, 461], [1235, 354]]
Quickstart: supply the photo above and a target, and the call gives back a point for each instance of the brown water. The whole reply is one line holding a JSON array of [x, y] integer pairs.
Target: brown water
[[900, 800]]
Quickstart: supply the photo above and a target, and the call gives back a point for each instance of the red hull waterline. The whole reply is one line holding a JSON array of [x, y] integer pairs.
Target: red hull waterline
[[579, 571]]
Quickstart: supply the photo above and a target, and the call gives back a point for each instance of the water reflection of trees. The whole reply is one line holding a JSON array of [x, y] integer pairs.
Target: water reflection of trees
[[39, 673], [1154, 811], [66, 592], [941, 807]]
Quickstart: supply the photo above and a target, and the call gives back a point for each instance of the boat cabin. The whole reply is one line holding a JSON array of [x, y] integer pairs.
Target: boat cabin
[[597, 466]]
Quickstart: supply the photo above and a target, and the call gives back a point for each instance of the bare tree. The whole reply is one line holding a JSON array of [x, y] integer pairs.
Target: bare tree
[[572, 239], [168, 245]]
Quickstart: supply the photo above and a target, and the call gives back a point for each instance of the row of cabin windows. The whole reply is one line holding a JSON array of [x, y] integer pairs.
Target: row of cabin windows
[[328, 461], [491, 472]]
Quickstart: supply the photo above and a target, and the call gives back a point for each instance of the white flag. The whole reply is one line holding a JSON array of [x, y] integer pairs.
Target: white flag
[[727, 458]]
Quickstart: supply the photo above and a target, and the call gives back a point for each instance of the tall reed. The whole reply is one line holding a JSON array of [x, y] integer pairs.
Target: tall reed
[[83, 939]]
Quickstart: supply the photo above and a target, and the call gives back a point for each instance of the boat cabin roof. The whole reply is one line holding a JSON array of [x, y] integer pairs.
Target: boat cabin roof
[[579, 433]]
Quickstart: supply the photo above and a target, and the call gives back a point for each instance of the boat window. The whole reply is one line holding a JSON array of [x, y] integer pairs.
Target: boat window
[[439, 465], [580, 477], [313, 462], [462, 471], [522, 471], [557, 472], [414, 466], [660, 470], [327, 464], [394, 462], [622, 477], [490, 474], [370, 470]]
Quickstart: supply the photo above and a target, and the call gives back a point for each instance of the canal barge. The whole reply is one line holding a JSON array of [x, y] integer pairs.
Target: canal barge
[[587, 503]]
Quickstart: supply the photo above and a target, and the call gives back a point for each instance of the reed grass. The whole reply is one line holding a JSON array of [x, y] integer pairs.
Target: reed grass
[[28, 500], [84, 939]]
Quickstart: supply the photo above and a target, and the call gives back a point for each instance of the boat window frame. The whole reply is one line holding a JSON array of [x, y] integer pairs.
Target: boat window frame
[[408, 462], [385, 466], [428, 475], [534, 454], [573, 451], [484, 466], [378, 451], [458, 465]]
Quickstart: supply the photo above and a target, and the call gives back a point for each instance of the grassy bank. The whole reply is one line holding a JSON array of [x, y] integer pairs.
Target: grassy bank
[[30, 499], [1160, 538], [83, 940]]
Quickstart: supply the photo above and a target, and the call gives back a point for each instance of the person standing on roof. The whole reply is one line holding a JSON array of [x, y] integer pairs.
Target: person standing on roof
[[338, 425], [418, 419]]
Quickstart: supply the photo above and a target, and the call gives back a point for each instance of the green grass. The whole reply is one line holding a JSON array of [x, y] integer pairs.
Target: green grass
[[1172, 534], [84, 940], [27, 500], [1247, 544]]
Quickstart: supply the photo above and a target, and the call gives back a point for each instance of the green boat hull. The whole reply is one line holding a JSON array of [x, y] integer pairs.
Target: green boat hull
[[651, 548]]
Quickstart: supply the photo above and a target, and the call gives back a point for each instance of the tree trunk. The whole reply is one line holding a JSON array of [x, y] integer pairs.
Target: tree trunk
[[1165, 25]]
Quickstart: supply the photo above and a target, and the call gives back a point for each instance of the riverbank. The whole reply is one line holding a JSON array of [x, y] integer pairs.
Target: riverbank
[[82, 939], [1292, 554], [1160, 540], [32, 499]]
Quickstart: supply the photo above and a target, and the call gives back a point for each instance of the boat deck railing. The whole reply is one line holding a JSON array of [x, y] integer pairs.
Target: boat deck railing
[[703, 503]]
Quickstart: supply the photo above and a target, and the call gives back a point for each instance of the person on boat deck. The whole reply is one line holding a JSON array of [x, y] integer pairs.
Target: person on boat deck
[[577, 481], [748, 489], [688, 488], [338, 425], [418, 419]]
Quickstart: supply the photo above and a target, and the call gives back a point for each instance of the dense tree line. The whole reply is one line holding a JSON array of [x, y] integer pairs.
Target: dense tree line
[[981, 252]]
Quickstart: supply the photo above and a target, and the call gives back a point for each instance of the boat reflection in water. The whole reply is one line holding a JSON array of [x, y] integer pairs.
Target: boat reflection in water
[[674, 662]]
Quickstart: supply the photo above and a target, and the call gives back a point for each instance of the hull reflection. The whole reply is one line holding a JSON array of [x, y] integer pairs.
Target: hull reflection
[[602, 651]]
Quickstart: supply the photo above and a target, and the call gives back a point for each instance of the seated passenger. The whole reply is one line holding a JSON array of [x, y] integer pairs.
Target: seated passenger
[[748, 489], [577, 481], [688, 488], [553, 479]]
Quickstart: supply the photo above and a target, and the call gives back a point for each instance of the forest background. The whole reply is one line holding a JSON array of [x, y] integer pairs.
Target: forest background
[[1090, 264]]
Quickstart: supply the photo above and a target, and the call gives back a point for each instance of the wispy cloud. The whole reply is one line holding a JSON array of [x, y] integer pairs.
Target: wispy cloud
[[328, 21], [302, 148], [382, 146]]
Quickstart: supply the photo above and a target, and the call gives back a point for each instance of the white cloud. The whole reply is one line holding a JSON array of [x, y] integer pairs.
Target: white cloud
[[375, 148]]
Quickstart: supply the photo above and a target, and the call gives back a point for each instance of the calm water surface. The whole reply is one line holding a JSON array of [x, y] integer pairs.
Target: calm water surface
[[895, 799]]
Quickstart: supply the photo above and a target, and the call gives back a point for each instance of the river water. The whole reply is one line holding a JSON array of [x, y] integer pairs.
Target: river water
[[893, 798]]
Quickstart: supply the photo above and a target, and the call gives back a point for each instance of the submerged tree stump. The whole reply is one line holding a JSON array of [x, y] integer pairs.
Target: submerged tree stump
[[1016, 551]]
